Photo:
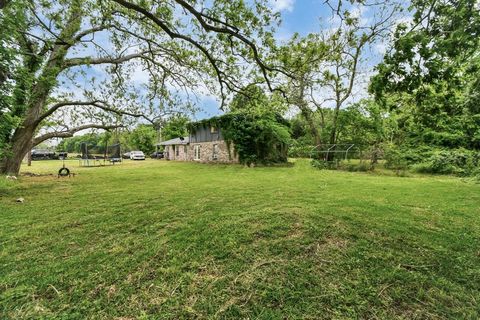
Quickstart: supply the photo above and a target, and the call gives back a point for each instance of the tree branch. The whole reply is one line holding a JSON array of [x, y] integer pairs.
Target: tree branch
[[72, 62], [95, 103], [86, 32], [174, 35], [70, 132], [227, 29]]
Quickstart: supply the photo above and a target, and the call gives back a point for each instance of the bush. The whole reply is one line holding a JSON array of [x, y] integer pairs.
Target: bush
[[322, 164], [319, 164], [458, 161], [357, 167], [425, 159], [396, 158], [300, 150]]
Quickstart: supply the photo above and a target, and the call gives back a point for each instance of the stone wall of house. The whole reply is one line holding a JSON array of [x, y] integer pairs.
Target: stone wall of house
[[182, 154], [187, 152], [206, 152], [166, 152], [177, 152]]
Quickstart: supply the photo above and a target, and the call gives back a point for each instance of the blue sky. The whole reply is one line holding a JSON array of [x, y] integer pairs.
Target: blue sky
[[302, 16]]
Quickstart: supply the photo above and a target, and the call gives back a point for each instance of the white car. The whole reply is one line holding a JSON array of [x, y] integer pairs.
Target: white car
[[137, 155]]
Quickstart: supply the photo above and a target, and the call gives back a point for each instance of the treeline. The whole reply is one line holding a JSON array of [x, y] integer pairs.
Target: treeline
[[423, 112], [143, 137], [379, 134]]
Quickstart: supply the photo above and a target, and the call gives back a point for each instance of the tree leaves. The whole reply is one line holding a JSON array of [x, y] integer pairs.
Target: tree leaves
[[434, 66]]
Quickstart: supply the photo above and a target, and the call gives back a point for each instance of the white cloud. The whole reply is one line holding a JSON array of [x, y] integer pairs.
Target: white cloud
[[381, 47], [360, 12], [282, 5]]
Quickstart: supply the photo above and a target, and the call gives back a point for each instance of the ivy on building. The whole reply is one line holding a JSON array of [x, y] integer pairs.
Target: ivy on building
[[257, 138]]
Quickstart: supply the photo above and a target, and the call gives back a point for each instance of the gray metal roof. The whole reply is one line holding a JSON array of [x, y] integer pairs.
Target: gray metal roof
[[174, 141]]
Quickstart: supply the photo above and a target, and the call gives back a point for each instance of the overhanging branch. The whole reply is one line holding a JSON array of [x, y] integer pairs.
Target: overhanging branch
[[174, 35], [70, 132], [95, 103], [72, 62]]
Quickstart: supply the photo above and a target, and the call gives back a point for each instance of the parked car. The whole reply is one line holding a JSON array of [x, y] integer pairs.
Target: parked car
[[137, 155], [157, 155], [126, 155], [39, 154], [62, 155]]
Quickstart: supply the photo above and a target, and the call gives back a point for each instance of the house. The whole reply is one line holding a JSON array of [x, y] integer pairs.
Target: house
[[206, 144], [251, 139], [175, 149]]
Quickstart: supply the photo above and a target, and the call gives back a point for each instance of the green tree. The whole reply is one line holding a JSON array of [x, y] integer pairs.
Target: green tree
[[143, 138], [429, 78], [175, 127], [54, 43], [253, 99], [327, 65], [96, 142]]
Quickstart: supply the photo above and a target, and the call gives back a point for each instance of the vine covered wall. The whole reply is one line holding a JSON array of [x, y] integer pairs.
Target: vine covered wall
[[257, 138]]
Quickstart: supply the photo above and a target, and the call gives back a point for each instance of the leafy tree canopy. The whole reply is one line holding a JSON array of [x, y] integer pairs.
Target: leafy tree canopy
[[430, 76], [175, 127], [71, 65], [143, 138]]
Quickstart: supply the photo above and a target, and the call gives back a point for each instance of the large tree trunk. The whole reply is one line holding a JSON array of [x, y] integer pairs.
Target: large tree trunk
[[20, 145], [308, 116], [333, 133], [22, 139], [29, 157]]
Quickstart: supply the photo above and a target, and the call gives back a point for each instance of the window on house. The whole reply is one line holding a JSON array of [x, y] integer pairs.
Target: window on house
[[185, 150], [177, 151], [197, 152], [215, 152], [213, 129]]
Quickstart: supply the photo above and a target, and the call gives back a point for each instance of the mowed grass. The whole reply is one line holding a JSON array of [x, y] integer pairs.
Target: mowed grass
[[167, 240]]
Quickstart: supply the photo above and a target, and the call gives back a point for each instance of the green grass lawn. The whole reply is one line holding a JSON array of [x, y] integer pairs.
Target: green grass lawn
[[166, 240]]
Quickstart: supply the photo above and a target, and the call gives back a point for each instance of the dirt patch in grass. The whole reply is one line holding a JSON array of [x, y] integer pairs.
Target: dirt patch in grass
[[326, 250], [330, 243], [296, 231], [32, 174]]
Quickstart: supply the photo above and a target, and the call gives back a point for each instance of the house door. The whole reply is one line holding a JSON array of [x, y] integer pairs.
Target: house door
[[173, 152]]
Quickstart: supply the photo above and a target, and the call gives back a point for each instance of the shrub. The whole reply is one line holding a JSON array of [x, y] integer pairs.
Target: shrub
[[357, 167], [458, 161], [395, 158], [300, 149], [319, 164]]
